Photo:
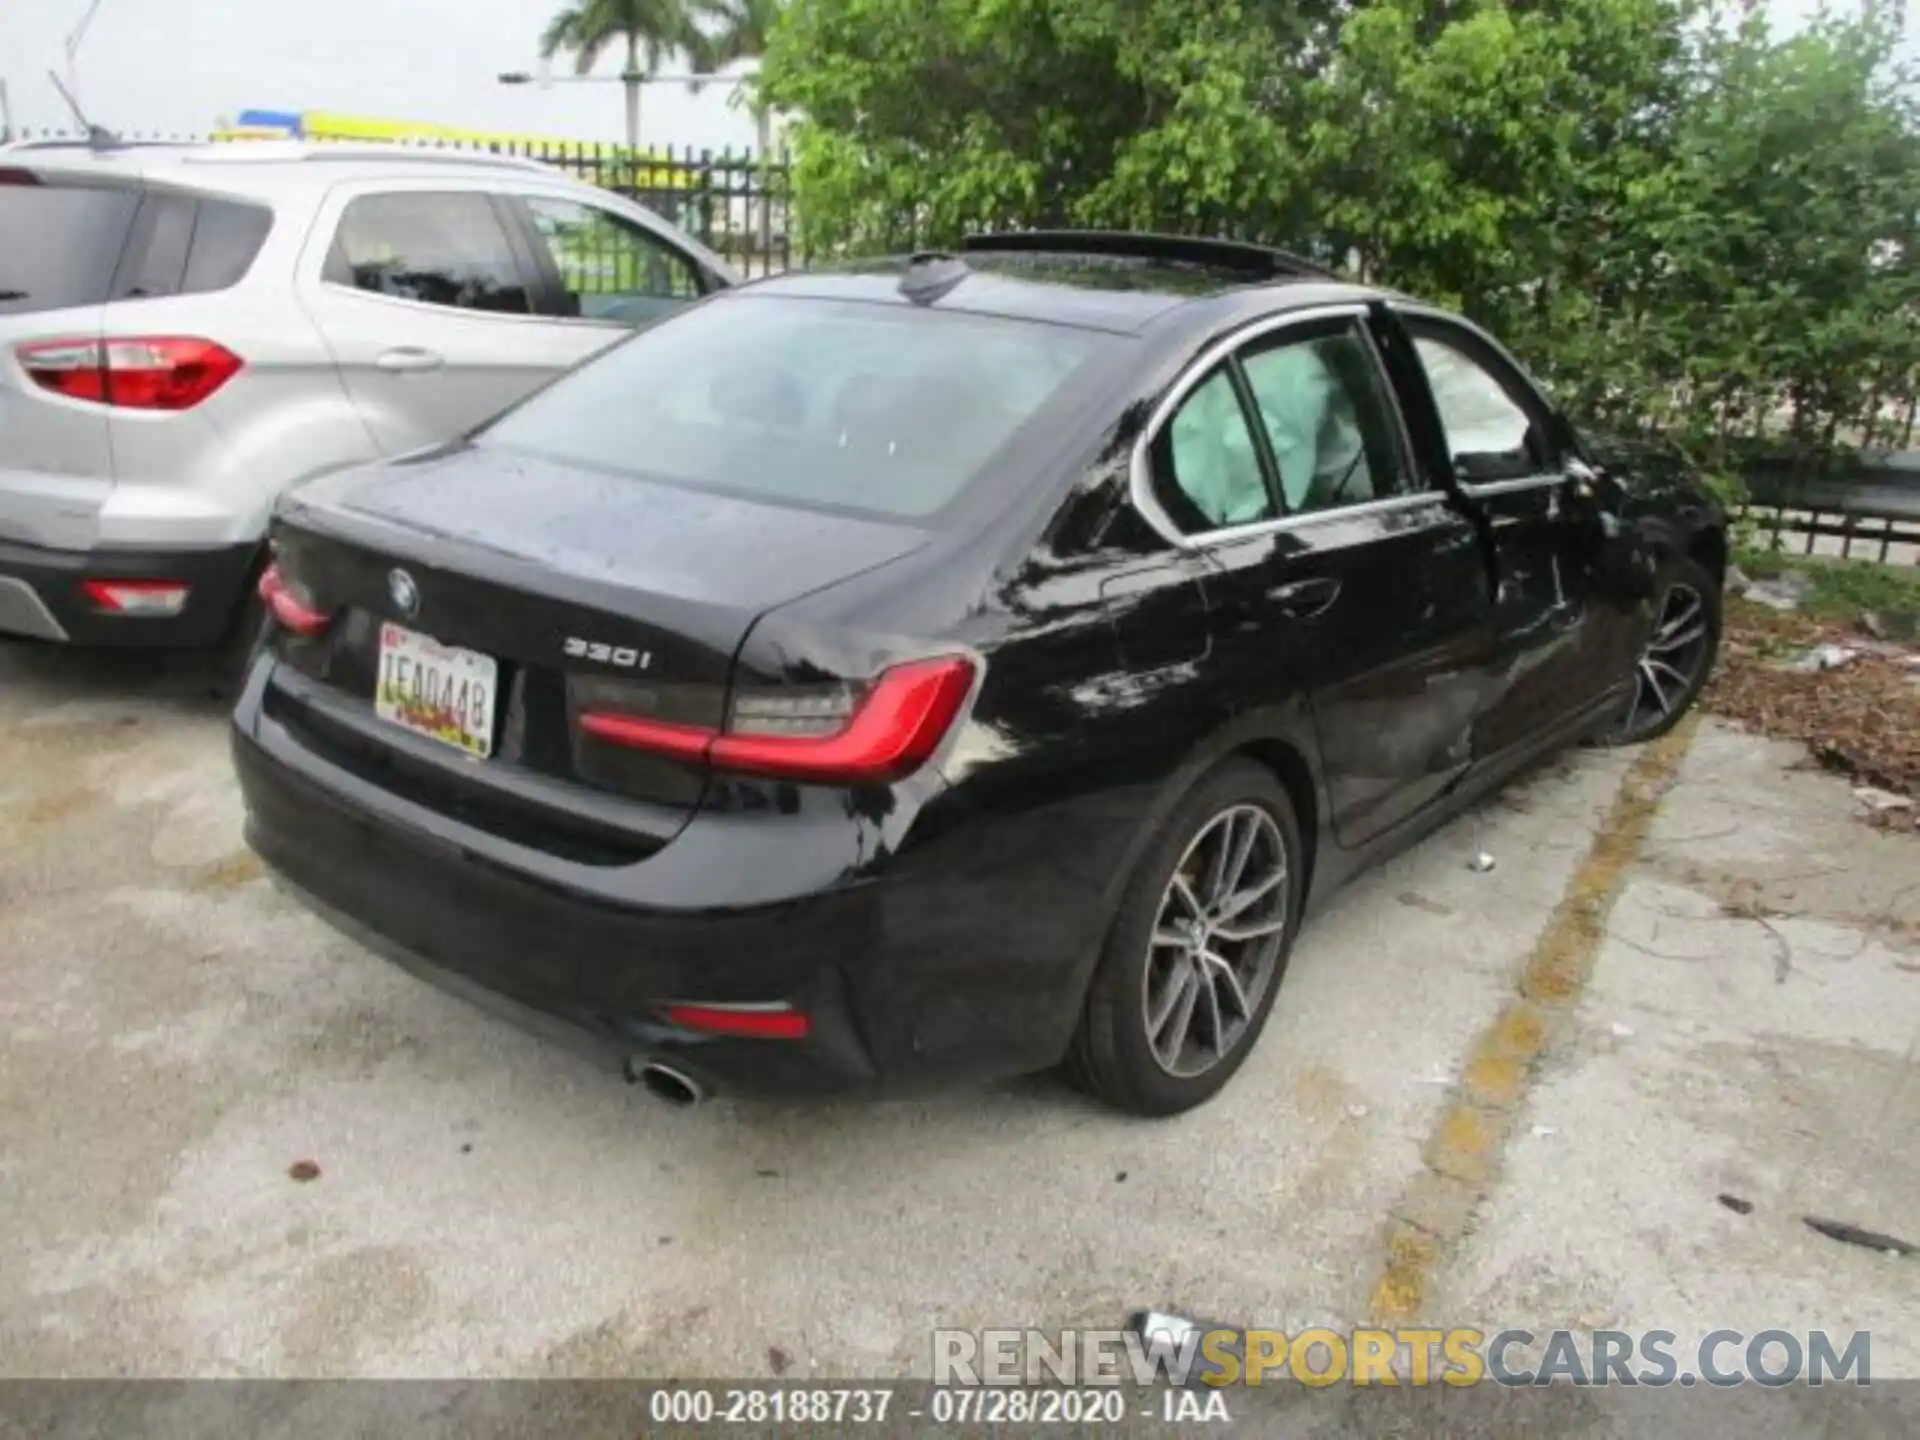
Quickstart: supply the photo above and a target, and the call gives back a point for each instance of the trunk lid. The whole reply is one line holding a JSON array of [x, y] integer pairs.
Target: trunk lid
[[610, 533], [588, 591]]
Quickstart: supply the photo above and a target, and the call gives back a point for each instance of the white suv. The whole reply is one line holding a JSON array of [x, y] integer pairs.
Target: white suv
[[188, 331]]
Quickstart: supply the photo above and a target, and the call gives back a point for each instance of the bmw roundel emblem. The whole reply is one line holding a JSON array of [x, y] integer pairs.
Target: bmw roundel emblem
[[403, 592]]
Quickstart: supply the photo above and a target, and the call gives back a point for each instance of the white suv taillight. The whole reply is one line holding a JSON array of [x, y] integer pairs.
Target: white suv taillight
[[164, 372]]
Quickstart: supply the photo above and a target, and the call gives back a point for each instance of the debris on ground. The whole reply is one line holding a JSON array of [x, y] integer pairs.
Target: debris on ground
[[1736, 1204], [1875, 798], [303, 1171], [1481, 863], [1784, 591], [1818, 658], [1861, 719], [1158, 1328], [1867, 1239]]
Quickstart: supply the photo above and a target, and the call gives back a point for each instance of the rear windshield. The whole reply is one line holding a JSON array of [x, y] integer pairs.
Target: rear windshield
[[59, 243], [864, 407]]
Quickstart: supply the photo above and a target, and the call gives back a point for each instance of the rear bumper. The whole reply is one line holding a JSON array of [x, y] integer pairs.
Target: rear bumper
[[910, 979], [41, 598]]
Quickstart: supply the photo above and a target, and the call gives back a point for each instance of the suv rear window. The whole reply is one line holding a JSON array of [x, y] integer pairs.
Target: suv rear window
[[59, 242], [188, 245], [855, 406]]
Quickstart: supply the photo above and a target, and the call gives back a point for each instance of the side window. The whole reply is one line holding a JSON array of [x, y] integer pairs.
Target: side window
[[1207, 469], [1489, 432], [610, 268], [439, 248], [226, 238], [155, 261], [186, 246], [1328, 418]]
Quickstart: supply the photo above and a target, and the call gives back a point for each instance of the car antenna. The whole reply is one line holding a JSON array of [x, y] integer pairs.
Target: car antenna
[[98, 136]]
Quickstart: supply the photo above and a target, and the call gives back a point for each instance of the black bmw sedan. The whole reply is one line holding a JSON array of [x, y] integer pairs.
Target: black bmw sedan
[[943, 668]]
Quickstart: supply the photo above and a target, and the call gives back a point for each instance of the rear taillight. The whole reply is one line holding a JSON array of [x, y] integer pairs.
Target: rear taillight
[[291, 608], [840, 735], [139, 373], [13, 175], [136, 597], [753, 1022]]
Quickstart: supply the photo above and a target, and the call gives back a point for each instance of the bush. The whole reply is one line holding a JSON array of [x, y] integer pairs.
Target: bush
[[1680, 220]]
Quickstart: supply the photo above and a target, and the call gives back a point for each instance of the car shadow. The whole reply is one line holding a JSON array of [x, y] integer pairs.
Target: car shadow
[[45, 676]]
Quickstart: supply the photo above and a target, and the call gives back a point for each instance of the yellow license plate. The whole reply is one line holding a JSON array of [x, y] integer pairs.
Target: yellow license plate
[[437, 690]]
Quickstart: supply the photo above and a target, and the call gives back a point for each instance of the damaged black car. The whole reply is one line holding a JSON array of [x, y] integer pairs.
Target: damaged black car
[[944, 668]]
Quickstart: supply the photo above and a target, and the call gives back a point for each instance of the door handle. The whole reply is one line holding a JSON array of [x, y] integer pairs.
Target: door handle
[[1304, 599], [408, 358]]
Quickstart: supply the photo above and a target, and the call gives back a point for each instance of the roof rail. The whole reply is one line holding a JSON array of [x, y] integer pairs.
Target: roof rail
[[14, 147], [261, 152], [1259, 260]]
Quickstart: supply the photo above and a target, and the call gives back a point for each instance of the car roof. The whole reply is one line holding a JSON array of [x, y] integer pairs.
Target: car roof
[[1124, 289], [265, 168], [298, 173]]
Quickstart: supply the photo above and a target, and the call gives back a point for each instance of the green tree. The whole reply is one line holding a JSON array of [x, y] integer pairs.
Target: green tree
[[1677, 218], [1787, 293], [650, 30], [740, 28], [1410, 129]]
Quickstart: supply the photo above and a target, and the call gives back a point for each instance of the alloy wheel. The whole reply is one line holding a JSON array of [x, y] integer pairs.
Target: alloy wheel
[[1671, 666], [1216, 937]]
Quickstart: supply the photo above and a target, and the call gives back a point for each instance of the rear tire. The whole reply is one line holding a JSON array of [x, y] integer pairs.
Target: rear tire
[[1229, 951]]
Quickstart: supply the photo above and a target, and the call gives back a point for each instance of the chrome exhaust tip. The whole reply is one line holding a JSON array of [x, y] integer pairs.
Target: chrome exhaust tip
[[665, 1083]]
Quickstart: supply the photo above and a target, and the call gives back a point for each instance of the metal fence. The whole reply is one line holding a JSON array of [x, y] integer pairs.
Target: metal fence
[[1873, 515], [735, 203]]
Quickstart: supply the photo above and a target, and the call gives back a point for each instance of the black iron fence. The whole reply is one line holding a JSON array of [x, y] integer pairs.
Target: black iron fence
[[735, 203], [1872, 513]]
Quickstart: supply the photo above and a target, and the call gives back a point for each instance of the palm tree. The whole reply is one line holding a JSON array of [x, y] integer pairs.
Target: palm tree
[[650, 28], [744, 26], [738, 30]]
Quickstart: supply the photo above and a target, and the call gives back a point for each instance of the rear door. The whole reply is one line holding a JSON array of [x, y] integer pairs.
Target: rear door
[[1336, 572], [61, 237], [426, 293], [1546, 663]]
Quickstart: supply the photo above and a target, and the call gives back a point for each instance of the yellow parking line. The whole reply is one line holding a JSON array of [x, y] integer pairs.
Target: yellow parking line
[[1461, 1158]]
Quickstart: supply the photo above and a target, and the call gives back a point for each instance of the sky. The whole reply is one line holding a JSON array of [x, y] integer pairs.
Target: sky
[[183, 65]]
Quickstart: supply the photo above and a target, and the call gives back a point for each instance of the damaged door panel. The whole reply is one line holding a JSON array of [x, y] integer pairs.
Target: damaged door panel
[[1504, 454], [1337, 573]]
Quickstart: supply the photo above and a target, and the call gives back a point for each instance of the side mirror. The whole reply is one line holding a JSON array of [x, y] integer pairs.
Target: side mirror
[[1562, 434]]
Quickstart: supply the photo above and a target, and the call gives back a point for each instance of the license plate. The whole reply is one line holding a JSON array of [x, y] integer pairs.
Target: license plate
[[436, 690]]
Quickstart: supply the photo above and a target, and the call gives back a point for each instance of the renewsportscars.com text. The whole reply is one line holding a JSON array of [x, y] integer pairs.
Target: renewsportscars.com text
[[1218, 1357]]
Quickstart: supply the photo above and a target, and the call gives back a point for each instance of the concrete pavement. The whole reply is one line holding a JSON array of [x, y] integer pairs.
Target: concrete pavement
[[178, 1036]]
